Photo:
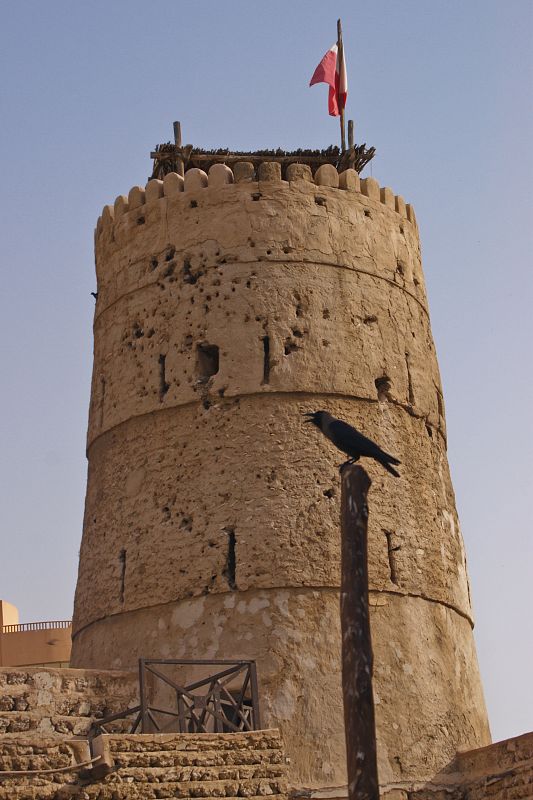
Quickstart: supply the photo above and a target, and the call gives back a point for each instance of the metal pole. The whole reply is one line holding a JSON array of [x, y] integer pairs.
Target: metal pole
[[357, 659], [142, 698], [340, 56], [177, 142], [255, 695]]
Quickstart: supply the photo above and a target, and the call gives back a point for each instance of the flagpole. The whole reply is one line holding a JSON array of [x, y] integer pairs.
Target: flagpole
[[340, 57]]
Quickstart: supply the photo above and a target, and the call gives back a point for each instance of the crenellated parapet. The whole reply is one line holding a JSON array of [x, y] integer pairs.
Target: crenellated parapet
[[221, 175]]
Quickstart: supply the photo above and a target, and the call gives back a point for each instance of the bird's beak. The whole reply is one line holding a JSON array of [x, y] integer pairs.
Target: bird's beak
[[310, 415]]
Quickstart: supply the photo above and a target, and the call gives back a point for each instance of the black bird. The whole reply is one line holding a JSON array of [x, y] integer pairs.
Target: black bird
[[350, 441], [95, 295]]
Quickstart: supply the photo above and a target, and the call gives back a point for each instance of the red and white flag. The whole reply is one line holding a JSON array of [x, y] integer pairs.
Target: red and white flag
[[332, 70]]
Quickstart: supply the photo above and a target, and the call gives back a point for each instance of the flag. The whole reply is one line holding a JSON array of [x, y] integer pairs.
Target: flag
[[332, 71]]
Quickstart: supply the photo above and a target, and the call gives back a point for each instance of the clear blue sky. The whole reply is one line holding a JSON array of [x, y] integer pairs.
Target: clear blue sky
[[442, 88]]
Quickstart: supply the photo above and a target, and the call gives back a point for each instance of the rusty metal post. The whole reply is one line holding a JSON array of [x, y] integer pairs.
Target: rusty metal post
[[142, 697], [356, 642]]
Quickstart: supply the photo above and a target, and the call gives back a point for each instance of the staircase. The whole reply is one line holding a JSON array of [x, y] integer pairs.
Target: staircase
[[146, 766]]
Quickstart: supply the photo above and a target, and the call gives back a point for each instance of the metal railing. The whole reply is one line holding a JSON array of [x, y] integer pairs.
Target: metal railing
[[206, 705], [37, 626]]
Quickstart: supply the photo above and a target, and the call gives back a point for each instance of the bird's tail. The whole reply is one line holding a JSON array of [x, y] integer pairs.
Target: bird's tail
[[389, 458], [391, 469]]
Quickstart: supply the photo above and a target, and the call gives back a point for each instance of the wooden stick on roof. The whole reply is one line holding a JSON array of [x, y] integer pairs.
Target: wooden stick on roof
[[340, 51]]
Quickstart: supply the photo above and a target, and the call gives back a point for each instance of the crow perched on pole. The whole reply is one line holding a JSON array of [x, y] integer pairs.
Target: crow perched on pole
[[350, 441]]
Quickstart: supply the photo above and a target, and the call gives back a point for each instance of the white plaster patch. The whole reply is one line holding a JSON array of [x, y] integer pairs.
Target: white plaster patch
[[407, 668], [44, 698], [257, 603], [283, 704], [44, 680], [45, 726], [229, 601], [266, 619], [281, 599], [451, 521], [188, 613]]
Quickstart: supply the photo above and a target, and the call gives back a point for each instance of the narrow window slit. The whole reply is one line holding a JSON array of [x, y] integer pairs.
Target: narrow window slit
[[163, 385], [266, 359], [230, 569]]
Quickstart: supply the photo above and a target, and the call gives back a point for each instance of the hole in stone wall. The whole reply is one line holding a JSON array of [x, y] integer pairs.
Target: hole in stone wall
[[194, 204], [429, 431], [256, 196], [368, 213], [391, 552], [383, 387], [122, 560], [266, 359], [230, 568], [207, 360], [320, 201], [290, 346], [140, 220]]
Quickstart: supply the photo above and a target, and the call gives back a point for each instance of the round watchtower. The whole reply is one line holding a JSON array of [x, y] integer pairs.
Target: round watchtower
[[228, 305]]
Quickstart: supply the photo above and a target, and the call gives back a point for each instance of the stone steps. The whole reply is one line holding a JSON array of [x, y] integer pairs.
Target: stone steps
[[147, 766], [204, 758], [145, 791], [19, 752], [53, 724]]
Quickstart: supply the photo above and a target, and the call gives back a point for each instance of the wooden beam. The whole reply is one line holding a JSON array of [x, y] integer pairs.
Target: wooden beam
[[177, 142], [357, 657]]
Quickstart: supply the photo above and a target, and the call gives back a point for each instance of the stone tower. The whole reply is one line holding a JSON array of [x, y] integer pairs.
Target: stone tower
[[227, 305]]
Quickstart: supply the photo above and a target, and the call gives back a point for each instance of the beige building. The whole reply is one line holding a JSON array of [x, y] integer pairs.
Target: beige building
[[32, 644]]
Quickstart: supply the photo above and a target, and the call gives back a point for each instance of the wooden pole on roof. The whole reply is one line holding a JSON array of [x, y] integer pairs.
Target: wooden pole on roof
[[177, 142], [351, 144], [340, 58]]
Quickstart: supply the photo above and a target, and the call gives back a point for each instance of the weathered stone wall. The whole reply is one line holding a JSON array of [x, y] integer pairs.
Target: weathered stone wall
[[502, 771], [211, 527], [46, 701]]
